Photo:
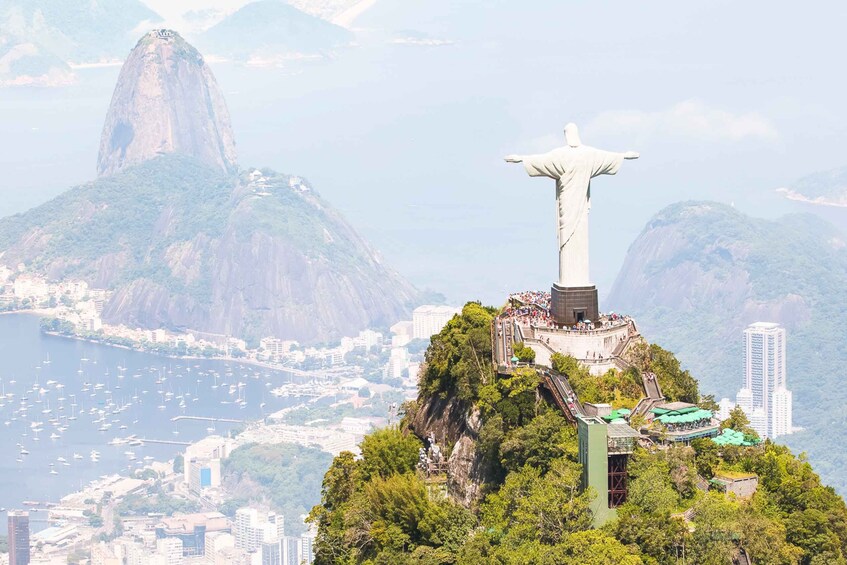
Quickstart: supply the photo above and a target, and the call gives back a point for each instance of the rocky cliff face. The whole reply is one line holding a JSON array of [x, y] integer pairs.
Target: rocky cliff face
[[166, 101], [455, 424], [701, 271]]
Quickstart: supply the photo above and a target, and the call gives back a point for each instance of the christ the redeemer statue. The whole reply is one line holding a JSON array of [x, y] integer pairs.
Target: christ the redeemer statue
[[573, 167]]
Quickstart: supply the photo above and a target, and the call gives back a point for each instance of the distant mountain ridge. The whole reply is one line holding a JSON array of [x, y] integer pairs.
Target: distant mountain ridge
[[39, 38], [699, 272], [267, 29], [827, 188]]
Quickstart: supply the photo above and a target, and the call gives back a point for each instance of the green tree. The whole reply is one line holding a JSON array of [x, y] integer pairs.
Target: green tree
[[594, 547], [389, 451], [546, 438], [458, 359], [179, 464], [524, 353], [530, 506], [739, 422]]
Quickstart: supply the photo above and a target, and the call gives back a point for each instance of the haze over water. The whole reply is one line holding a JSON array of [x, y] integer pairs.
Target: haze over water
[[72, 363]]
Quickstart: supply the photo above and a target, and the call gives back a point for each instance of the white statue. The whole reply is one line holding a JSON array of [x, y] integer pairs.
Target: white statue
[[573, 167]]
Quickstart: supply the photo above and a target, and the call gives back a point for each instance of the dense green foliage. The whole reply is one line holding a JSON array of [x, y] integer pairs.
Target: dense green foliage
[[284, 477], [122, 214], [524, 353], [380, 509], [458, 360], [155, 500], [620, 389]]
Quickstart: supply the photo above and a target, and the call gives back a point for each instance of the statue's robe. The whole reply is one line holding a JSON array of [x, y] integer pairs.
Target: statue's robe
[[573, 168]]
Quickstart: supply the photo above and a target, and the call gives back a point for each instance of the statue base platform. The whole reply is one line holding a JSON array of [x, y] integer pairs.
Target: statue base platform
[[571, 305]]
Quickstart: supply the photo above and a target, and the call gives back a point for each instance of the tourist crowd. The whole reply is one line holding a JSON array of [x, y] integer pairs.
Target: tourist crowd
[[532, 297]]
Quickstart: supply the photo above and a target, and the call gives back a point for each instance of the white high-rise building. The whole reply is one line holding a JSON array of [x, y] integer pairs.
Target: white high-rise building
[[781, 412], [725, 406], [307, 549], [259, 533], [170, 549], [398, 361], [246, 531], [428, 320], [764, 375]]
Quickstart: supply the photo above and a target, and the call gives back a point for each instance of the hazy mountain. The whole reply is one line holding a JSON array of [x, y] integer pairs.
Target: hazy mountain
[[828, 188], [166, 101], [27, 64], [76, 31], [699, 272], [270, 29], [39, 39], [187, 243]]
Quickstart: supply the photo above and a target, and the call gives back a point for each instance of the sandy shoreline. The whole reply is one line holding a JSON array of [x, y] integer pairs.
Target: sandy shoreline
[[242, 361]]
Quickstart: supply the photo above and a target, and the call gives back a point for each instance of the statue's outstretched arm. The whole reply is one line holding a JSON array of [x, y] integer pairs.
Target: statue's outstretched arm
[[631, 155], [513, 158]]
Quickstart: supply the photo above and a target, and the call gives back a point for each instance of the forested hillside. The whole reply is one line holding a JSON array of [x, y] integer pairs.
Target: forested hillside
[[700, 272], [185, 246], [524, 504]]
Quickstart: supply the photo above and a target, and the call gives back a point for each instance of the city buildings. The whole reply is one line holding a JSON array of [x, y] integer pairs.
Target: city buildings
[[253, 530], [202, 462], [18, 537], [168, 551], [429, 320], [191, 530], [102, 554], [764, 397]]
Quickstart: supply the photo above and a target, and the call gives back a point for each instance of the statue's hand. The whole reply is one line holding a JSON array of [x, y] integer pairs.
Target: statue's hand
[[630, 155], [513, 159]]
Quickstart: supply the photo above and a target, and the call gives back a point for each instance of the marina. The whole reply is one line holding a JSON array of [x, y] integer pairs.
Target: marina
[[72, 411]]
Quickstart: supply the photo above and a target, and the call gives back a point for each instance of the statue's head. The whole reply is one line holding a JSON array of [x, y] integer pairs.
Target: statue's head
[[572, 135]]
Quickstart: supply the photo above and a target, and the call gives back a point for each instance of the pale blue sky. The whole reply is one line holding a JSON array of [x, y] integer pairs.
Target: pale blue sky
[[724, 100]]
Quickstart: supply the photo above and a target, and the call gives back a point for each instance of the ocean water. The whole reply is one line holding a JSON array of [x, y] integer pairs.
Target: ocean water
[[63, 397]]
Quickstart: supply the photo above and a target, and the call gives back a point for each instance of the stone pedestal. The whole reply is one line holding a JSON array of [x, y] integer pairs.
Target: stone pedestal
[[570, 305]]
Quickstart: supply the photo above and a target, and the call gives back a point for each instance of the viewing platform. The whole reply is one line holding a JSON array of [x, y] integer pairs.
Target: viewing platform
[[598, 344], [681, 422]]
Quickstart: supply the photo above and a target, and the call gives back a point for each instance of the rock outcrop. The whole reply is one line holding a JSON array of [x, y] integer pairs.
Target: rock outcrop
[[455, 425], [166, 101]]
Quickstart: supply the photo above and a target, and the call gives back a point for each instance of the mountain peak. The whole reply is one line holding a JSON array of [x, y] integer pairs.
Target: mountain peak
[[166, 101]]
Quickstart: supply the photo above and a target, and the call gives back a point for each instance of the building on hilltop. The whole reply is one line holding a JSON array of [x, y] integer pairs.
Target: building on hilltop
[[599, 344], [742, 485], [202, 461], [764, 397], [191, 531], [681, 422], [604, 450], [169, 551], [18, 537]]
